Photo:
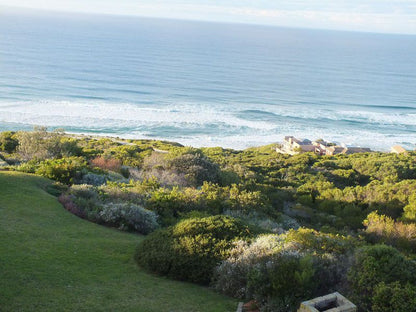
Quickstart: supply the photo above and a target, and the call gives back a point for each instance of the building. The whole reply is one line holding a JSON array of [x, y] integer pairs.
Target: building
[[353, 150], [334, 150], [293, 144], [320, 146], [398, 149]]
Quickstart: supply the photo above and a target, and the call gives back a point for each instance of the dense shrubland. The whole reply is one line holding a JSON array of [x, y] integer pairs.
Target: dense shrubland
[[253, 224]]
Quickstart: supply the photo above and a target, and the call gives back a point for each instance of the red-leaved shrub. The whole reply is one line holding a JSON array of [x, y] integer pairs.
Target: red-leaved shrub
[[111, 164]]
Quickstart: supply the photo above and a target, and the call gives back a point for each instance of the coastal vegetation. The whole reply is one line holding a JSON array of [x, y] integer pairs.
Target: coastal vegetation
[[251, 224]]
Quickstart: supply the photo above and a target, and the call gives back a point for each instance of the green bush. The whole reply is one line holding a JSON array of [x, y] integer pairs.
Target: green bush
[[28, 167], [375, 264], [394, 297], [8, 142], [318, 242], [210, 198], [191, 249], [383, 229], [64, 170]]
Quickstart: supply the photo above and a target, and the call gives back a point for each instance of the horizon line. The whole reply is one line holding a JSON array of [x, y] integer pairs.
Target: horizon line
[[18, 9]]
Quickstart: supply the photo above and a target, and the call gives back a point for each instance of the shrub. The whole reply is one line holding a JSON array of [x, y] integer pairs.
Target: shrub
[[282, 282], [65, 170], [375, 264], [8, 142], [84, 191], [61, 146], [93, 179], [196, 168], [279, 271], [211, 198], [318, 242], [394, 297], [184, 170], [85, 200], [129, 217], [56, 189], [231, 275], [106, 163], [69, 205], [381, 228], [41, 144], [192, 248], [28, 167]]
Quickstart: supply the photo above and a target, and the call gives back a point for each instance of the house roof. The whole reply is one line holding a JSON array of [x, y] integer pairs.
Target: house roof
[[352, 150], [336, 149], [288, 137]]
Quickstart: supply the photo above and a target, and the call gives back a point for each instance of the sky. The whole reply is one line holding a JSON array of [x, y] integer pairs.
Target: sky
[[385, 16]]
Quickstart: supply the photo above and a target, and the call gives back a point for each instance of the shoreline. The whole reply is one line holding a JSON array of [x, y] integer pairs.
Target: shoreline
[[124, 139], [275, 143], [381, 143]]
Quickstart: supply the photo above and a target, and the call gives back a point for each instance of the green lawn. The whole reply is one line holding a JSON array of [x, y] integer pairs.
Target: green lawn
[[51, 260]]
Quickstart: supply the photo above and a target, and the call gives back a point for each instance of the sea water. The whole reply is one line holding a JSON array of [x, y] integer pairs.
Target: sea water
[[205, 84]]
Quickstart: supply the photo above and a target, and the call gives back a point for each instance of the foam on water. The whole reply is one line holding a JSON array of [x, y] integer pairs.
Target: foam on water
[[211, 125]]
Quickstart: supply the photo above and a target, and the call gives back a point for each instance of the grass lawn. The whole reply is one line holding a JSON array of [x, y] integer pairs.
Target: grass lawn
[[51, 260]]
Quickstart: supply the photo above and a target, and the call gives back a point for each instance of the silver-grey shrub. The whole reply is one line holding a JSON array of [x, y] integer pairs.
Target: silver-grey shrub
[[230, 276], [270, 270], [93, 179], [127, 216]]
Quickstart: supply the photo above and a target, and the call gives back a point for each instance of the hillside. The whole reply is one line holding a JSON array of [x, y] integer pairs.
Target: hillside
[[255, 225], [51, 260]]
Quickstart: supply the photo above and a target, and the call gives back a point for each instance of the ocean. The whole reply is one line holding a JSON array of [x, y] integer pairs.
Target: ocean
[[205, 84]]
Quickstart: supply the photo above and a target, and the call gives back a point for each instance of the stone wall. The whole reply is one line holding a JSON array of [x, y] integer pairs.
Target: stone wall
[[334, 302]]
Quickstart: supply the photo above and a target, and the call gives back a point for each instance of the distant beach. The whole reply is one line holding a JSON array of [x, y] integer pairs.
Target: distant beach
[[206, 84]]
